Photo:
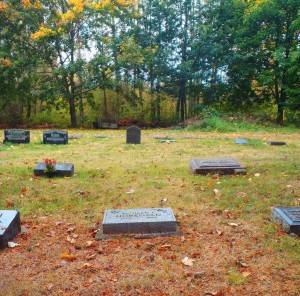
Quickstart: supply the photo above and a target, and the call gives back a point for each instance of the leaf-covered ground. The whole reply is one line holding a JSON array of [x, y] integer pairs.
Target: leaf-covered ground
[[228, 246]]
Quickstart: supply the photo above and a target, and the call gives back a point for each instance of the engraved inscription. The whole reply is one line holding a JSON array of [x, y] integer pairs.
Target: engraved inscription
[[294, 215]]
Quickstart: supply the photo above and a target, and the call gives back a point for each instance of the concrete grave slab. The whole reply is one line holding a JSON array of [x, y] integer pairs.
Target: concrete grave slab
[[10, 225], [74, 137], [289, 218], [223, 166], [144, 222], [276, 143], [241, 141], [61, 169]]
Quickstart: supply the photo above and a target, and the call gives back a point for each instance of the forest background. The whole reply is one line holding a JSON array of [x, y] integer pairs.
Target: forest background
[[159, 62]]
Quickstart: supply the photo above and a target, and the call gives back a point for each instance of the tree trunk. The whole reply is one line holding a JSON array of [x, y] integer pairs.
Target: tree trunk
[[73, 112]]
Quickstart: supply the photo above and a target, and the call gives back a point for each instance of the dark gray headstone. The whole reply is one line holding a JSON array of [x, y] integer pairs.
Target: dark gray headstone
[[133, 135], [17, 136], [288, 217], [10, 225], [139, 221], [276, 143], [55, 137], [61, 169], [221, 166], [241, 141]]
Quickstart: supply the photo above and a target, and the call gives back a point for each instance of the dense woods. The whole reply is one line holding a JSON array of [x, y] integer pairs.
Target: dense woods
[[157, 61]]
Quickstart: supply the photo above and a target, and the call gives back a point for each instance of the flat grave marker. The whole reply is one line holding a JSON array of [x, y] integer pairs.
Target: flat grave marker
[[276, 143], [16, 136], [101, 137], [133, 135], [161, 137], [55, 137], [289, 218], [241, 141], [61, 169], [223, 166], [74, 137], [144, 222], [10, 225], [167, 141]]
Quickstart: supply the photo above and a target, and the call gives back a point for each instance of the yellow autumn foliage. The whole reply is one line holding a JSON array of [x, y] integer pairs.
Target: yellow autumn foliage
[[42, 32], [3, 5], [5, 62]]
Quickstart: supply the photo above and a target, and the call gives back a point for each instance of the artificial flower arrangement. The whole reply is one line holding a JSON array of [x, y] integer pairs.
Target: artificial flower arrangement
[[50, 166]]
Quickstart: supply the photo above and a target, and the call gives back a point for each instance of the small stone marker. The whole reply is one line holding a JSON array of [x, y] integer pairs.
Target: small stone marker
[[276, 143], [17, 136], [101, 137], [138, 223], [168, 141], [74, 137], [241, 141], [10, 225], [61, 169], [223, 166], [133, 135], [288, 217], [55, 137], [160, 137]]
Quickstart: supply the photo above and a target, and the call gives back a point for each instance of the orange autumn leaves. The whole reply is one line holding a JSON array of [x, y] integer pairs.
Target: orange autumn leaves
[[5, 62]]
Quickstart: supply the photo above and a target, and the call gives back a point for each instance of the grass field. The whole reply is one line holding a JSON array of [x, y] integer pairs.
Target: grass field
[[235, 248]]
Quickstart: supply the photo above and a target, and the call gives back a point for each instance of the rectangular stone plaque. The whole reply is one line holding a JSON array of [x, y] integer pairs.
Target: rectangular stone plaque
[[10, 225], [17, 136], [74, 137], [216, 165], [61, 169], [241, 141], [133, 135], [154, 220], [276, 143], [288, 217], [55, 137]]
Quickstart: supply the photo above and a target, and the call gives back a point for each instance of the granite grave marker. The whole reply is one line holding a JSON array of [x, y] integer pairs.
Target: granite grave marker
[[288, 217], [133, 135], [17, 136], [221, 166], [276, 143], [55, 137], [10, 225], [241, 141], [138, 222], [61, 169]]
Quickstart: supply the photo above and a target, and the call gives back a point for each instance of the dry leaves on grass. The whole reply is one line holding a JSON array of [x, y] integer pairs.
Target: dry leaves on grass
[[187, 261]]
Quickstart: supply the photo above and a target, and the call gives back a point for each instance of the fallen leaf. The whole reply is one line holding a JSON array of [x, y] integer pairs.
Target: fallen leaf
[[233, 224], [219, 232], [246, 273], [130, 191], [71, 240], [187, 261], [12, 244], [68, 256], [216, 191], [10, 204], [257, 174], [23, 189], [49, 286], [166, 246], [89, 243], [210, 183], [86, 265]]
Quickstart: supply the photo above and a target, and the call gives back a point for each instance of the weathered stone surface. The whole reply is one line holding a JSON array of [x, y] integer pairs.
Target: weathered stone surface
[[241, 141], [276, 143], [160, 137], [55, 137], [74, 137], [61, 169], [10, 225], [101, 137], [216, 165], [147, 221], [167, 141], [17, 136], [288, 217], [133, 135]]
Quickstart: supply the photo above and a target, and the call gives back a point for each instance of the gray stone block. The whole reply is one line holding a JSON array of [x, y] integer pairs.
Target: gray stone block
[[156, 220], [241, 141], [10, 225], [276, 143], [223, 166], [289, 218], [133, 135], [55, 137], [17, 136], [61, 169]]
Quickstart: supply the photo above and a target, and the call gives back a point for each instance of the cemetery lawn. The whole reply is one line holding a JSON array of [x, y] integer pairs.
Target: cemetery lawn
[[232, 246]]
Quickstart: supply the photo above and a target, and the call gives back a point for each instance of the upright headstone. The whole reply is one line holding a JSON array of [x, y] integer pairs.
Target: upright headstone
[[241, 141], [55, 137], [133, 135], [141, 222], [10, 225], [223, 166], [61, 169], [17, 136], [288, 217]]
